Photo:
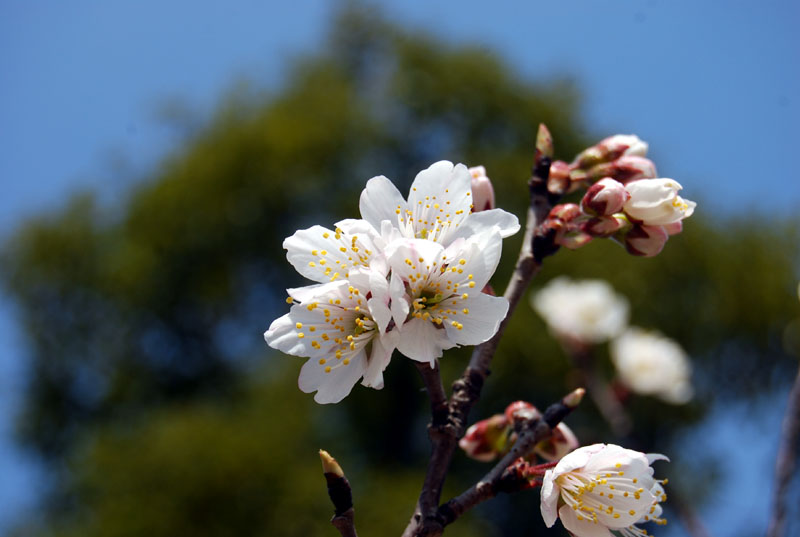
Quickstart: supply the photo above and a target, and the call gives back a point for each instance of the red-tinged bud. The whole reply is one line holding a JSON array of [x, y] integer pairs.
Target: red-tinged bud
[[486, 439], [482, 190], [606, 226], [544, 143], [674, 228], [605, 197], [562, 441], [565, 212], [558, 181], [521, 410], [625, 168], [645, 241], [574, 239], [609, 149]]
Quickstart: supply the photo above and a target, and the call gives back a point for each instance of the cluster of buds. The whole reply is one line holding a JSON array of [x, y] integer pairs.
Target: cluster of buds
[[625, 200], [493, 437]]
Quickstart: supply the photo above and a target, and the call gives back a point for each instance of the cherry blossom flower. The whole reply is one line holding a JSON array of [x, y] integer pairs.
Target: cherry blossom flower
[[587, 311], [438, 208], [603, 487], [342, 326], [652, 364], [655, 202], [482, 190], [436, 297]]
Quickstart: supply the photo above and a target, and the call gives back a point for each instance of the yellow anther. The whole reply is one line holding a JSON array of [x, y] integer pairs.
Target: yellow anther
[[322, 361], [471, 285], [326, 235], [616, 515], [618, 465], [346, 361], [325, 337], [631, 512], [313, 252], [465, 311], [465, 296], [610, 496], [328, 369], [289, 300], [301, 335], [299, 325], [322, 261], [312, 264], [462, 262], [315, 344]]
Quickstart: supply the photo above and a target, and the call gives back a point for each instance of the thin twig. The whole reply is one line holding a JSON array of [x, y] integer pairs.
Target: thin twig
[[786, 461], [531, 432], [600, 392]]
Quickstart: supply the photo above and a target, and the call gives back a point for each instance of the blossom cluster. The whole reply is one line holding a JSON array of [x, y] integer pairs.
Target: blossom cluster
[[590, 312], [625, 199], [408, 275]]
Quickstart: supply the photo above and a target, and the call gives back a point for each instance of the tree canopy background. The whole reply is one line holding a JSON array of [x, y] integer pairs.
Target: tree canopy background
[[160, 410]]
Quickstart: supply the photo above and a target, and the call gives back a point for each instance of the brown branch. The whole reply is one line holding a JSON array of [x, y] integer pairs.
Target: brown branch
[[531, 432], [536, 245], [341, 495], [786, 461]]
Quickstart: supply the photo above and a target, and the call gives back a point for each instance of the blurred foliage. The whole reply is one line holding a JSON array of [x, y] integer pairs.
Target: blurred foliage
[[151, 391]]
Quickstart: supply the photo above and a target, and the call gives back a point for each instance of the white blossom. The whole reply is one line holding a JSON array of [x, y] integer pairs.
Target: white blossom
[[586, 311], [438, 208], [342, 331], [652, 364], [655, 202], [436, 295], [603, 487]]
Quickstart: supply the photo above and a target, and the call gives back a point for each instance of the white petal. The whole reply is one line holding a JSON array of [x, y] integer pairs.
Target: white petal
[[440, 198], [378, 361], [380, 200], [653, 457], [576, 459], [507, 223], [399, 305], [324, 255], [334, 386], [422, 341], [549, 499], [581, 528], [480, 323]]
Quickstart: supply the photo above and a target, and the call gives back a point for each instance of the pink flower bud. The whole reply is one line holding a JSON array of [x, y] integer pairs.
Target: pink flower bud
[[482, 190], [674, 228], [558, 182], [486, 439], [574, 239], [646, 241], [605, 197], [609, 149], [565, 212], [606, 226], [559, 444], [625, 168], [521, 410]]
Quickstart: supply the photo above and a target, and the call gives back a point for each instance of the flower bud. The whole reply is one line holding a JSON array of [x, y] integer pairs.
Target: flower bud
[[521, 410], [482, 190], [655, 202], [562, 441], [605, 197], [574, 239], [565, 212], [486, 439], [606, 226], [611, 148], [624, 169], [558, 181], [646, 241]]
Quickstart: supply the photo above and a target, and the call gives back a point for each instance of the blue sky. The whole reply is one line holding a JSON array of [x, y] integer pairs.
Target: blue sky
[[714, 87]]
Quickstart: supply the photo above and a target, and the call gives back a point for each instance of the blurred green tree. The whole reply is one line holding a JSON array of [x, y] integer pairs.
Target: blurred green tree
[[150, 383]]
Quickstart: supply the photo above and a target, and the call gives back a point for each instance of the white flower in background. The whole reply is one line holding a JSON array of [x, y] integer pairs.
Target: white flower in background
[[436, 293], [652, 364], [438, 208], [655, 202], [587, 311], [603, 487], [342, 327]]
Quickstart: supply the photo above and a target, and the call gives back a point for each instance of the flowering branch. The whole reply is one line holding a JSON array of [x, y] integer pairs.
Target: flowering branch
[[340, 494], [531, 431], [536, 244], [786, 461]]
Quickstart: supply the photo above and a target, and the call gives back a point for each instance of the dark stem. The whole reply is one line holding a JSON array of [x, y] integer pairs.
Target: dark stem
[[531, 432], [786, 461], [466, 390]]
